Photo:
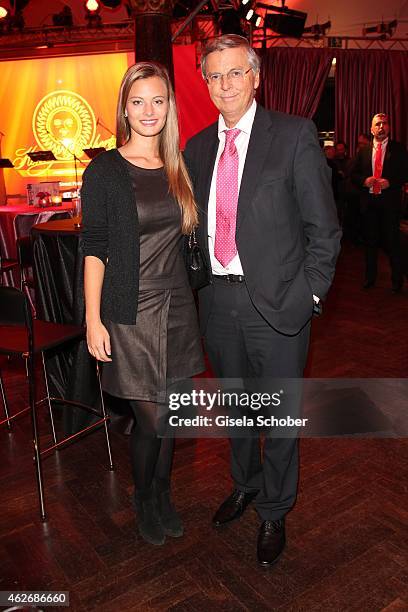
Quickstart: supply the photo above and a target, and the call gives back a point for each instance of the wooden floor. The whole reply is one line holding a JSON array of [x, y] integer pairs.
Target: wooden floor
[[347, 535]]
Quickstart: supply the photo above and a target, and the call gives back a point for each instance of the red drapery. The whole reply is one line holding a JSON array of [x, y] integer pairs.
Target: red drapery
[[293, 79], [398, 62]]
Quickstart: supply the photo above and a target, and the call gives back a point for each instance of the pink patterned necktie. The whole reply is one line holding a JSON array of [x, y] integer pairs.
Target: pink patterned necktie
[[225, 248]]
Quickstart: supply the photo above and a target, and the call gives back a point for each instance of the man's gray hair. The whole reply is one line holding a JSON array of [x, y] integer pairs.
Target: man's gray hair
[[229, 41], [381, 115]]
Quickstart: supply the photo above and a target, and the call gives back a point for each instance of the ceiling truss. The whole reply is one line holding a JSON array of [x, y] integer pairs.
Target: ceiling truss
[[53, 40]]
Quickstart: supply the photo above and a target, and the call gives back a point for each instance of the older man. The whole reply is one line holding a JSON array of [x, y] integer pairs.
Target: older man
[[379, 171], [269, 229]]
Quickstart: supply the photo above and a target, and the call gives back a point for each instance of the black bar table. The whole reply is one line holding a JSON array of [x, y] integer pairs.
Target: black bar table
[[58, 273]]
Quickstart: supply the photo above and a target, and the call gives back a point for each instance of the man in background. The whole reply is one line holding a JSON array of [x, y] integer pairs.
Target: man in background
[[380, 170]]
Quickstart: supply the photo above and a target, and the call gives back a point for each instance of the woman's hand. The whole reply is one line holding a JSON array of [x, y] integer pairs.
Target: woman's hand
[[98, 341]]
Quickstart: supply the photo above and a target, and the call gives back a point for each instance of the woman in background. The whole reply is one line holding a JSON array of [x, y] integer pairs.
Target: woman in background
[[140, 314]]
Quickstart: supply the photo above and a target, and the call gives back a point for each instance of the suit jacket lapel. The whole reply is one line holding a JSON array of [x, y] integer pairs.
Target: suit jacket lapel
[[369, 160], [259, 143], [208, 161], [388, 153]]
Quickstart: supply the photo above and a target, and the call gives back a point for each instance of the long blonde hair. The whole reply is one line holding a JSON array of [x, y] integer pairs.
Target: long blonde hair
[[169, 150]]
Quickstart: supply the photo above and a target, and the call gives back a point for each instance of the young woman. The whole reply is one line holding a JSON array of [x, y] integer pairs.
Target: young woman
[[141, 320]]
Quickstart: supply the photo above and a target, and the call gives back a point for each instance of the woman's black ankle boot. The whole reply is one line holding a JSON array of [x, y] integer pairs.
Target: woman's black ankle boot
[[168, 516], [149, 525]]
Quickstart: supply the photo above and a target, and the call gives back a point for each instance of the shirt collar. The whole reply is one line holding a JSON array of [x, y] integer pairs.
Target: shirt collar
[[244, 124], [382, 144]]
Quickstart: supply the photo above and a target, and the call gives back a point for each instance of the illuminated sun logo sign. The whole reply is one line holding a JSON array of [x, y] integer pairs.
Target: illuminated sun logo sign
[[64, 123]]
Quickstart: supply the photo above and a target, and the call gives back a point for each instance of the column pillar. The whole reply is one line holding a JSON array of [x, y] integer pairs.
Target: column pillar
[[153, 32]]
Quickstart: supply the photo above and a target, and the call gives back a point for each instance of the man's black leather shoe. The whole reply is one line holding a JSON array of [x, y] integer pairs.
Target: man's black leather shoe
[[397, 288], [368, 284], [233, 507], [271, 542]]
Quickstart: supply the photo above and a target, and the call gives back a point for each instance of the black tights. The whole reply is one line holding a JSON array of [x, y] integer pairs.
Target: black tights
[[151, 456]]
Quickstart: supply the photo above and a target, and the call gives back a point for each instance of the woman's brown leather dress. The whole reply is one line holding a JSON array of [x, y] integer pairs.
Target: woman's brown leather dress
[[165, 344]]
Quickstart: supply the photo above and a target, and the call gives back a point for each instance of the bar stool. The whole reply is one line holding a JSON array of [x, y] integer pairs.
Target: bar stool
[[20, 334], [7, 265], [25, 261]]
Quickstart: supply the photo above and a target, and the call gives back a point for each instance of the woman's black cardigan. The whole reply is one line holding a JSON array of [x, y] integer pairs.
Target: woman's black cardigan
[[110, 231]]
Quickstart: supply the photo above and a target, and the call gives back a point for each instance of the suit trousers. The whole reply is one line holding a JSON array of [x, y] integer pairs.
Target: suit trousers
[[381, 228], [240, 343]]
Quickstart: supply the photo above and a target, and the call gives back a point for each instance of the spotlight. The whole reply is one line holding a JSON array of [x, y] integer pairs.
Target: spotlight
[[245, 6], [253, 18], [286, 22], [11, 15], [383, 29], [230, 22], [92, 8], [17, 21], [246, 10], [18, 5], [318, 29], [64, 18]]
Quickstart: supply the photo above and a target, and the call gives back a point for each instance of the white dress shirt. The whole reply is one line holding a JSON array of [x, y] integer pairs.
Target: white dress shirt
[[241, 142]]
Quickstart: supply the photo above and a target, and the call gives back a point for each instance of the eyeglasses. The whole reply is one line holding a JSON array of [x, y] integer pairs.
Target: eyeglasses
[[235, 75]]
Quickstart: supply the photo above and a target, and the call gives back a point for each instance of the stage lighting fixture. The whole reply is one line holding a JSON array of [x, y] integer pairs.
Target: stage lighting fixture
[[183, 8], [335, 42], [245, 6], [246, 9], [63, 18], [383, 29], [318, 29], [18, 5], [286, 22], [11, 15], [17, 21], [92, 9], [92, 6], [253, 18], [230, 22]]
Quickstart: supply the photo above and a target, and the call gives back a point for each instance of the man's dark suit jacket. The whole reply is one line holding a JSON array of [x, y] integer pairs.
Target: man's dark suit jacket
[[395, 170], [287, 232]]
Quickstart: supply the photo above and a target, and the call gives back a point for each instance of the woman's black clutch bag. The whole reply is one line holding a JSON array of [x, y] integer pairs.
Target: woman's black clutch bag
[[198, 272]]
